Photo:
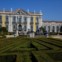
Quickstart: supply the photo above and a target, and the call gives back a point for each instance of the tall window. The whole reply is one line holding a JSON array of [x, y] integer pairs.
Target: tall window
[[53, 28], [31, 20], [25, 27], [57, 29], [45, 27], [25, 19], [7, 19], [14, 27], [48, 28], [20, 28], [31, 28], [37, 27], [37, 19], [14, 19], [7, 27], [0, 19], [20, 19]]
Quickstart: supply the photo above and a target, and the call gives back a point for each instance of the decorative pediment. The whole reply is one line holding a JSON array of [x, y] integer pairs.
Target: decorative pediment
[[21, 12]]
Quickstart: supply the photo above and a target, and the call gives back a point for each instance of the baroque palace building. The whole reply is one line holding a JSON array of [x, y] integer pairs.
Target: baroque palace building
[[53, 26], [21, 21]]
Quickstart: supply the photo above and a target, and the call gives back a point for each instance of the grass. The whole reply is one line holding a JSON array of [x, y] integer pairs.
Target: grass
[[24, 49]]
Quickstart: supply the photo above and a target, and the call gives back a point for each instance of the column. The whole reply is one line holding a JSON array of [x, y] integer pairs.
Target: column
[[28, 23], [34, 23], [3, 21], [10, 27], [23, 23], [17, 26], [40, 21]]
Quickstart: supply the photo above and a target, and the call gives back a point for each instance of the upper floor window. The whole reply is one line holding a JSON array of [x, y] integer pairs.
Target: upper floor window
[[7, 19], [14, 18], [37, 19], [20, 19], [25, 19], [31, 20]]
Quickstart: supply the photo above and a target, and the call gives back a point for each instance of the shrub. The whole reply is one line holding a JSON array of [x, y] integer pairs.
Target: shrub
[[53, 33], [3, 30]]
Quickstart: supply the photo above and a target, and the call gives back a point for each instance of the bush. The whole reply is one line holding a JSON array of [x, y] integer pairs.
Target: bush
[[53, 33], [3, 30], [60, 33]]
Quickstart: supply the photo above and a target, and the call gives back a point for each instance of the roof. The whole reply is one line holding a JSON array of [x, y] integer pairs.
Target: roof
[[52, 21], [19, 12]]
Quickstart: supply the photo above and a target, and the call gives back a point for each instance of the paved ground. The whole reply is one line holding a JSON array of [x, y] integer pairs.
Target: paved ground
[[57, 36]]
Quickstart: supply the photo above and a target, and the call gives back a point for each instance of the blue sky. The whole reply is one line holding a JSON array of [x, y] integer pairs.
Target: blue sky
[[52, 9]]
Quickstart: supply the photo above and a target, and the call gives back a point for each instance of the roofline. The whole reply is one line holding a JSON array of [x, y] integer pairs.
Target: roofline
[[52, 21]]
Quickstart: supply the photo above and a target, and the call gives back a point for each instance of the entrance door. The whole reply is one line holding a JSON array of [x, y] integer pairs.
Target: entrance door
[[20, 28]]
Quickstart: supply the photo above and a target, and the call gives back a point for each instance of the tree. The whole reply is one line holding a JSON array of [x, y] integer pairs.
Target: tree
[[3, 30]]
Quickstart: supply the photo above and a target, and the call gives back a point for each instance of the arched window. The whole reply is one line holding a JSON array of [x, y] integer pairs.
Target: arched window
[[20, 28]]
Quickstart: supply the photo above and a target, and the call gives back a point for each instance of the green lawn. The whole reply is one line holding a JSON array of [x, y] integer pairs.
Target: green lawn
[[22, 49]]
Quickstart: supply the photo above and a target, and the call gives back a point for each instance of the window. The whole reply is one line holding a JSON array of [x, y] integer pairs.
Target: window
[[37, 19], [20, 28], [7, 19], [36, 27], [25, 28], [20, 19], [48, 28], [25, 19], [31, 19], [57, 28], [53, 28], [14, 27], [45, 27], [31, 28], [7, 27], [14, 19]]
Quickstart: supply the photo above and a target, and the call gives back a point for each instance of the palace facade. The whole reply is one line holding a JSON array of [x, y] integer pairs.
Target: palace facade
[[20, 21], [53, 26]]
